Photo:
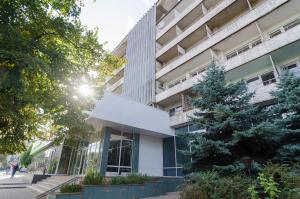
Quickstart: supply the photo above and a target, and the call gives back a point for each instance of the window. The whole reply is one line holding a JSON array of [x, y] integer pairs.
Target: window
[[252, 80], [291, 24], [268, 78], [120, 152], [275, 33], [175, 110], [243, 49], [290, 66], [193, 74], [256, 43], [231, 55]]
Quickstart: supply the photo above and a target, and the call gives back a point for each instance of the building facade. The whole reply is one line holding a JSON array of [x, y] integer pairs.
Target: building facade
[[167, 52]]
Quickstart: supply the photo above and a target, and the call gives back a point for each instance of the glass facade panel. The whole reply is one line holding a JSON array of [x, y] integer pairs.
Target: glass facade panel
[[120, 152]]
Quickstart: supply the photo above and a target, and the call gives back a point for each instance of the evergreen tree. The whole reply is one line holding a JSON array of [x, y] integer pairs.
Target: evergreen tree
[[235, 130], [288, 106]]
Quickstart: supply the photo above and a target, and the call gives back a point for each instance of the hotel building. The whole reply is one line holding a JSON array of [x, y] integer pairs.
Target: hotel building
[[167, 52]]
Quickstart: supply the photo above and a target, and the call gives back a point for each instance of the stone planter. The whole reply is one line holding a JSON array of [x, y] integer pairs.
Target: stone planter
[[132, 191], [65, 195]]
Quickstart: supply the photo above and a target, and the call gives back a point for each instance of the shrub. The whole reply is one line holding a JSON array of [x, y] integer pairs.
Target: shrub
[[280, 181], [209, 185], [93, 178], [130, 179], [71, 188]]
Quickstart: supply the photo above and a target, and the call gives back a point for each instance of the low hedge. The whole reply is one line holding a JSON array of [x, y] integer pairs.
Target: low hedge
[[130, 179], [71, 188]]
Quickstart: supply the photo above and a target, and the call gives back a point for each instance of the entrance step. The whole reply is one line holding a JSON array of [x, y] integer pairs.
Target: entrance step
[[48, 185]]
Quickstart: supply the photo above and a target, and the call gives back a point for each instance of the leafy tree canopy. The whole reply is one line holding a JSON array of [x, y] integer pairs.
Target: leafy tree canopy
[[45, 53]]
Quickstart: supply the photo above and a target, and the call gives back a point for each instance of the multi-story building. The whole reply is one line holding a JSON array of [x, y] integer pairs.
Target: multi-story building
[[167, 52]]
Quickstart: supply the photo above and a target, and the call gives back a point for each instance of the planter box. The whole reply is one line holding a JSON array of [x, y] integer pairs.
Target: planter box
[[134, 191], [65, 195]]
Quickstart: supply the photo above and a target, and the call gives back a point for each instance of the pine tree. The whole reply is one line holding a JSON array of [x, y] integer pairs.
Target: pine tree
[[235, 130], [288, 106]]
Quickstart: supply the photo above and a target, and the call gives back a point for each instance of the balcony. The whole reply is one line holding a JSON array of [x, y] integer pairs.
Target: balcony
[[181, 117], [192, 28], [236, 25], [116, 85]]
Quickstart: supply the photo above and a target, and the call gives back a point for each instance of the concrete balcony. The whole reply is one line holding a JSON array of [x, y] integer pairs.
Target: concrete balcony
[[181, 118], [175, 16], [216, 10], [264, 48], [262, 93], [236, 25], [189, 83], [116, 85]]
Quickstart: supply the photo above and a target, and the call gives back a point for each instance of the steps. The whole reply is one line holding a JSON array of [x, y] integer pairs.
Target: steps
[[170, 195], [51, 183]]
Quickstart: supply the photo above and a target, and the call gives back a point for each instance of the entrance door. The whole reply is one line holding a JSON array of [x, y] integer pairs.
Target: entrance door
[[120, 154]]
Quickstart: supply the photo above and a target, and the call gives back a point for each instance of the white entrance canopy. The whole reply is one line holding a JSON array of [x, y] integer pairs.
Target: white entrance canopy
[[121, 113]]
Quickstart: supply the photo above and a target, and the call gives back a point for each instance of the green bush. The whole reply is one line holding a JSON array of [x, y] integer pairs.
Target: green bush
[[284, 180], [209, 185], [71, 188], [130, 179], [93, 178]]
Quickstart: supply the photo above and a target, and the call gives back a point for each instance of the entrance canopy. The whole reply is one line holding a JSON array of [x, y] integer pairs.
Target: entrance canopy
[[121, 113]]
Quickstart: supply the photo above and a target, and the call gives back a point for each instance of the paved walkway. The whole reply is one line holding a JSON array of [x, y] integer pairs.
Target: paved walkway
[[16, 193], [15, 188], [19, 180]]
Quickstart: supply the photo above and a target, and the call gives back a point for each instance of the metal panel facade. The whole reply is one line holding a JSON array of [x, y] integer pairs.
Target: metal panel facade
[[139, 77]]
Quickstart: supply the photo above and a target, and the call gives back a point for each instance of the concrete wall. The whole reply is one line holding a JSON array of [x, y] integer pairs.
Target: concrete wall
[[151, 155]]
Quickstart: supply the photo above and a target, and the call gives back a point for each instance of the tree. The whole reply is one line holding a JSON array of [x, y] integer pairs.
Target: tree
[[288, 106], [45, 53], [26, 158], [236, 131], [3, 161]]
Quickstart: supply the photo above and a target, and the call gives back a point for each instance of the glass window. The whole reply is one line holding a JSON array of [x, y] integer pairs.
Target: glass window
[[268, 78], [292, 24], [290, 66], [275, 33], [243, 49], [231, 55], [126, 153], [114, 152], [120, 152], [252, 80], [256, 43]]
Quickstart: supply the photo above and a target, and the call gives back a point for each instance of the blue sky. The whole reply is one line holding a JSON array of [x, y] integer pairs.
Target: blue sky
[[114, 18]]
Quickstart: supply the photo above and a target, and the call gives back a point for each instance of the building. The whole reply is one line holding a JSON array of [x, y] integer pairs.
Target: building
[[167, 52]]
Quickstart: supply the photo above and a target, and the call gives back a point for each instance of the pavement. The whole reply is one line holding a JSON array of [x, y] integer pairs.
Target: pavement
[[15, 188]]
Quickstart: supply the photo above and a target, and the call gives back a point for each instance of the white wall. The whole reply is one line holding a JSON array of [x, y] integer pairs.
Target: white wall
[[151, 155]]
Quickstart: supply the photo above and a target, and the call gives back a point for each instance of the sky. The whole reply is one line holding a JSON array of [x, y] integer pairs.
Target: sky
[[114, 18]]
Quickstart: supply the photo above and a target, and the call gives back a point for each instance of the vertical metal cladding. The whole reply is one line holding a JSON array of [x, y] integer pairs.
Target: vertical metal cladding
[[139, 76]]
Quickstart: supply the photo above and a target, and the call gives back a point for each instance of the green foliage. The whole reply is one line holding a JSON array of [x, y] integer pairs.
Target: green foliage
[[26, 157], [253, 192], [209, 185], [233, 126], [269, 185], [130, 179], [93, 178], [288, 97], [45, 53], [71, 188]]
